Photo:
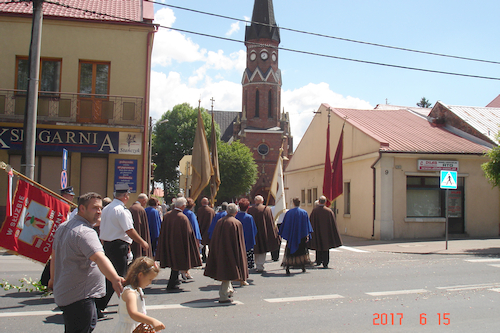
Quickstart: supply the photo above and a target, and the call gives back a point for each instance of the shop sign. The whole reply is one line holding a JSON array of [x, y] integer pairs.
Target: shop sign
[[130, 143], [434, 165], [126, 173], [79, 141]]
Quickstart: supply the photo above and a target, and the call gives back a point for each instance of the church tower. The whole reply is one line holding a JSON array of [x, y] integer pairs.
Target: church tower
[[262, 127]]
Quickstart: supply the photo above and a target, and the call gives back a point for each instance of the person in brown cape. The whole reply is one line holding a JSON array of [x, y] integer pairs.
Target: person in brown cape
[[326, 234], [227, 259], [141, 225], [177, 245], [205, 216], [267, 239]]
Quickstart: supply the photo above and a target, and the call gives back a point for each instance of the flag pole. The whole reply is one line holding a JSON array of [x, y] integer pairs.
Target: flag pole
[[7, 168], [279, 156]]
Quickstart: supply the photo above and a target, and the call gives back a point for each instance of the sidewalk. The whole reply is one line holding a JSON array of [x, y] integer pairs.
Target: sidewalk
[[481, 247]]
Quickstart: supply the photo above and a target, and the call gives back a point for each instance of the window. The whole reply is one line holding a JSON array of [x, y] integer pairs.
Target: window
[[257, 100], [424, 198], [303, 196], [347, 198], [315, 194], [270, 104], [263, 149], [94, 78], [309, 196], [50, 74]]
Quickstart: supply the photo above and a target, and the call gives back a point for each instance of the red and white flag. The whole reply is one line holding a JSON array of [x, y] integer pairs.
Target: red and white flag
[[29, 230]]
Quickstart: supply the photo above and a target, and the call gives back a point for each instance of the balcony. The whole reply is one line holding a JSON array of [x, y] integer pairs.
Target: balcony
[[74, 108]]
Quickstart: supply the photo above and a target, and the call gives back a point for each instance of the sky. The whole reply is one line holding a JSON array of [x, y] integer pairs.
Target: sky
[[188, 67]]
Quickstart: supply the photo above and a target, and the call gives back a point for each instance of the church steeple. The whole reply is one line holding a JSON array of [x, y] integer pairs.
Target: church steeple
[[263, 12]]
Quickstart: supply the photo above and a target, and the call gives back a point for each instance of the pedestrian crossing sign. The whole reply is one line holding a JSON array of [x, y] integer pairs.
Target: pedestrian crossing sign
[[448, 180]]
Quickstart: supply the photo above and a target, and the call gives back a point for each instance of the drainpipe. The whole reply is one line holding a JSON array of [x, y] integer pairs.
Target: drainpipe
[[146, 169], [374, 191]]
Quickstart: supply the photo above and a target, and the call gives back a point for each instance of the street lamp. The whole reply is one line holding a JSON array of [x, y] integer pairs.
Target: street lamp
[[150, 182]]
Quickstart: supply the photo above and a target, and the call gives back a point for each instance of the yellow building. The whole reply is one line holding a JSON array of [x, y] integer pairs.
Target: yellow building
[[94, 92], [391, 165]]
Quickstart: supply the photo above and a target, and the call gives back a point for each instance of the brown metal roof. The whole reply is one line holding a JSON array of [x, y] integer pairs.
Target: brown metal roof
[[403, 131], [118, 10]]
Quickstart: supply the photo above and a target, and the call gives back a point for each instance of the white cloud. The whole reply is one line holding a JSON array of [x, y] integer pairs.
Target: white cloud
[[301, 102], [172, 45], [235, 27]]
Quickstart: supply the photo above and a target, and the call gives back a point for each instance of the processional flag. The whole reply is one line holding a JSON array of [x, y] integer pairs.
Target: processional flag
[[215, 179], [29, 230], [277, 189], [337, 177], [327, 177], [201, 164]]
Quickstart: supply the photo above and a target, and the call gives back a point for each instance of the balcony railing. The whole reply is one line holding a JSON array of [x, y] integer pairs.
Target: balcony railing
[[74, 107]]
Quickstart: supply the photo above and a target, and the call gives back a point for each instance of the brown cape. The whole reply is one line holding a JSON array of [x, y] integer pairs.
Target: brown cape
[[267, 239], [227, 259], [205, 216], [325, 232], [177, 246], [141, 225]]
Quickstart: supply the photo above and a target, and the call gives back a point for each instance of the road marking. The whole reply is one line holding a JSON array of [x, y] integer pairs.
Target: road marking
[[483, 260], [353, 249], [302, 298], [397, 292], [494, 265], [470, 286], [29, 313], [495, 289]]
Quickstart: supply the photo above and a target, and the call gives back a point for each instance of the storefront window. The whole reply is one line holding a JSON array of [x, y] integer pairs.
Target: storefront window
[[424, 198]]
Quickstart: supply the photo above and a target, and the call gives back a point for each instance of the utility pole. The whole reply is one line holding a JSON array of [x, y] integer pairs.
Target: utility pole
[[29, 142]]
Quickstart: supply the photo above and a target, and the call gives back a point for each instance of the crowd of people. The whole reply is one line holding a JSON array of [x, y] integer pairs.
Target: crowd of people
[[97, 247]]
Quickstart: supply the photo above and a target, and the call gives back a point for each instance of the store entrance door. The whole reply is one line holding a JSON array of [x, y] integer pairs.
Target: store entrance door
[[456, 203]]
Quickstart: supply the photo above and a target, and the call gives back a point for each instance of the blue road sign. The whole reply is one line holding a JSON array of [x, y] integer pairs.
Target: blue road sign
[[65, 160], [64, 179], [448, 180]]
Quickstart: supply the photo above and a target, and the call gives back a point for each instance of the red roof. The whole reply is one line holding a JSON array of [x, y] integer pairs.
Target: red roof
[[404, 131], [494, 103], [113, 10]]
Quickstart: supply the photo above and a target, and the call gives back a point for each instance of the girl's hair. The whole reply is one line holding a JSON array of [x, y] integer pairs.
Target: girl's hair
[[142, 265]]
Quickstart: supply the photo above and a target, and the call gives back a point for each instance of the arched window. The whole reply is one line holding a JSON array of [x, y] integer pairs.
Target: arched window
[[270, 104], [257, 100]]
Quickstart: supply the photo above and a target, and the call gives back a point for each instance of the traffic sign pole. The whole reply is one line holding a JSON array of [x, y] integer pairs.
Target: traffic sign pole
[[446, 228]]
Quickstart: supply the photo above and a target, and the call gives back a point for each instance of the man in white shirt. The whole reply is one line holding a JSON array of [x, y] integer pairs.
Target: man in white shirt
[[117, 233]]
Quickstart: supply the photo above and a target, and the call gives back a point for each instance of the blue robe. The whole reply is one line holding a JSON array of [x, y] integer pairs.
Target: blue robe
[[216, 218], [154, 221], [295, 227], [249, 229], [194, 223]]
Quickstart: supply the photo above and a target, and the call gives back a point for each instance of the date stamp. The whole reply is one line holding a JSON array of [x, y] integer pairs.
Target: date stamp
[[395, 319]]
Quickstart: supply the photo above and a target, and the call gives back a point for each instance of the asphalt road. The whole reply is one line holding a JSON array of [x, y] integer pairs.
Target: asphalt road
[[363, 291]]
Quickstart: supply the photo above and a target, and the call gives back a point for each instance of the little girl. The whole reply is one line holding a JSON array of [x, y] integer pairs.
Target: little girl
[[132, 308]]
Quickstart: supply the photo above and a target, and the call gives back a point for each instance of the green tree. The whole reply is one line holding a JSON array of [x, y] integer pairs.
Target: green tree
[[492, 167], [424, 103], [174, 139], [238, 170]]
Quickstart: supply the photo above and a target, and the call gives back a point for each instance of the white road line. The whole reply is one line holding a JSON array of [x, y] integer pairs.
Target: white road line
[[483, 260], [495, 289], [494, 265], [302, 298], [29, 313], [470, 286], [148, 307], [353, 249], [397, 292]]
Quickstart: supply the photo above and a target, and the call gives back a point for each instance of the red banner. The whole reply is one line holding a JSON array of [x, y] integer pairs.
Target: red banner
[[29, 231]]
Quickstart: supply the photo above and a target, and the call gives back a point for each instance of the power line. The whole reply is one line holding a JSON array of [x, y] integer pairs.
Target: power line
[[281, 48], [328, 36]]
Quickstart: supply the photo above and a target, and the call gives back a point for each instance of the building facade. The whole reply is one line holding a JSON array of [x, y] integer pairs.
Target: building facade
[[93, 92], [391, 165]]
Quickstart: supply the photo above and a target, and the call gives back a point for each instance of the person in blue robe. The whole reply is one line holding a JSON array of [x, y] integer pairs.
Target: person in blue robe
[[296, 229], [249, 230], [216, 218], [196, 230]]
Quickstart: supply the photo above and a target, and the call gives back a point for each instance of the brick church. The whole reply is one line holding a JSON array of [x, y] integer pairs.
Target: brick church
[[260, 125]]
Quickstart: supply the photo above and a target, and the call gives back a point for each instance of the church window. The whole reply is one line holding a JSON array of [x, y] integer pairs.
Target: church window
[[263, 149], [270, 104], [257, 100]]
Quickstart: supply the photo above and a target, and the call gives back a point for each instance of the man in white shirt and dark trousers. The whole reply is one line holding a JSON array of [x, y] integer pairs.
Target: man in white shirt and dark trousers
[[117, 233]]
